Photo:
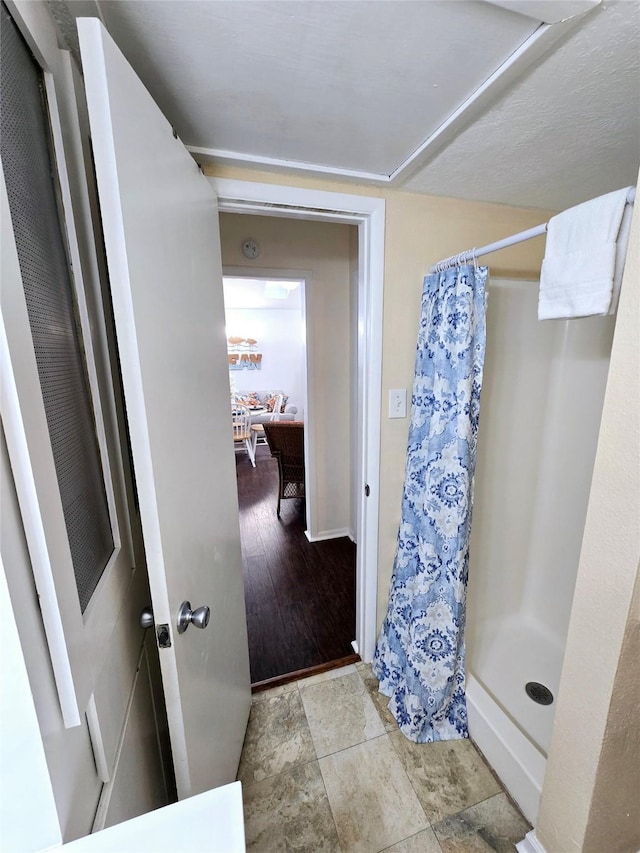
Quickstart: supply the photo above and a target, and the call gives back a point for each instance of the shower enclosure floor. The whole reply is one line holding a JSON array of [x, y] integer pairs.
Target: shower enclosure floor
[[511, 653]]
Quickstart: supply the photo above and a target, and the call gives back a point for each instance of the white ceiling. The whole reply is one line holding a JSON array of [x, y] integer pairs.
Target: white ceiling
[[567, 131], [449, 97]]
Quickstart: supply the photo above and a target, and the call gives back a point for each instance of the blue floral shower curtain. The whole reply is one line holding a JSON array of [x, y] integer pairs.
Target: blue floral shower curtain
[[419, 657]]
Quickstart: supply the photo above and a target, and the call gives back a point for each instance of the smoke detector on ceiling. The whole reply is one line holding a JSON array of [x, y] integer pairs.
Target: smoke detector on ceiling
[[250, 249]]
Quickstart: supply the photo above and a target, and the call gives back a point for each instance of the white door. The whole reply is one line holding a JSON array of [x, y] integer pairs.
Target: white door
[[72, 558], [160, 224]]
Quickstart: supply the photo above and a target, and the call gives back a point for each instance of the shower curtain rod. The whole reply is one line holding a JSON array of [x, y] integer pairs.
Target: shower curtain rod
[[471, 254]]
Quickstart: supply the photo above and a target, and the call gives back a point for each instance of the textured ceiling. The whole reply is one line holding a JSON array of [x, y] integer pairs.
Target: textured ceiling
[[356, 86], [350, 85], [568, 131]]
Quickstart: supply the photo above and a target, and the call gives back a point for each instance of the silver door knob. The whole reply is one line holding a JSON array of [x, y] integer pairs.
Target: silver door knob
[[146, 618], [198, 617]]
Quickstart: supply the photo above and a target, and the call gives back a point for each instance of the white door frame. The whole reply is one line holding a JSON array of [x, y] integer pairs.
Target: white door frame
[[368, 213]]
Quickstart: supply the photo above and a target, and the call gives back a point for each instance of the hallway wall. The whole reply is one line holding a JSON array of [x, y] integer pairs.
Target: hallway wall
[[280, 336]]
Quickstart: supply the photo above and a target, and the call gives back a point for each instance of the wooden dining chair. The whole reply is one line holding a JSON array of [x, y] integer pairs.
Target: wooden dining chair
[[286, 443], [257, 430], [242, 432], [277, 408]]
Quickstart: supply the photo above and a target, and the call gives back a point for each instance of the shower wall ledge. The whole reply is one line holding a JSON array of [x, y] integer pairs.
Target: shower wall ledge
[[518, 764]]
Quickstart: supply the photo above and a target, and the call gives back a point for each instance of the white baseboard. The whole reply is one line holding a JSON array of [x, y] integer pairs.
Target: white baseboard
[[330, 534], [530, 844]]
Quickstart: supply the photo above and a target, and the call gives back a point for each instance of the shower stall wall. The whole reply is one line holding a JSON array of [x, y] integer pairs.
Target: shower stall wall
[[540, 414]]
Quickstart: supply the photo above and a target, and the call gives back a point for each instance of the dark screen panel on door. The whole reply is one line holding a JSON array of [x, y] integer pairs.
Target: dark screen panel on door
[[29, 171]]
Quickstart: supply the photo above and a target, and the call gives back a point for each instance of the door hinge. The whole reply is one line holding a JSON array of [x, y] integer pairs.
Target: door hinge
[[367, 490]]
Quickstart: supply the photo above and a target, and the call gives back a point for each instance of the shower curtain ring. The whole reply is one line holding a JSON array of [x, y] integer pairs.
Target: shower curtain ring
[[475, 259]]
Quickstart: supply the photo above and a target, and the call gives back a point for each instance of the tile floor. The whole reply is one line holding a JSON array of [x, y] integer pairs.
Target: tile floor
[[325, 768]]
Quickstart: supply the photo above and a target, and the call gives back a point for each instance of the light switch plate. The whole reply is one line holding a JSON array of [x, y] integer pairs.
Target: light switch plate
[[398, 403]]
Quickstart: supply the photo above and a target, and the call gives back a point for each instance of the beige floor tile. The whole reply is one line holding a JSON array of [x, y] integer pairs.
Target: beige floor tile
[[277, 738], [290, 812], [494, 824], [379, 700], [329, 675], [448, 776], [291, 687], [423, 842], [340, 714], [373, 803]]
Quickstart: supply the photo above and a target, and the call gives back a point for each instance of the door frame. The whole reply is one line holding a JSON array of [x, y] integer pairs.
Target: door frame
[[368, 213]]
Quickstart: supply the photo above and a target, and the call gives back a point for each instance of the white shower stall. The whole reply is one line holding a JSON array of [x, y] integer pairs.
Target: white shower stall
[[541, 405]]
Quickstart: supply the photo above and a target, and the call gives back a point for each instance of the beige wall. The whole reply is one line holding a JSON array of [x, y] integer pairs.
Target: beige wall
[[419, 231], [614, 814], [322, 249], [596, 739]]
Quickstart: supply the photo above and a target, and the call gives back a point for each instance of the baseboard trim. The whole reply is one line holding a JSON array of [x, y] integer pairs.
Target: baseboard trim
[[530, 844], [279, 680], [339, 533]]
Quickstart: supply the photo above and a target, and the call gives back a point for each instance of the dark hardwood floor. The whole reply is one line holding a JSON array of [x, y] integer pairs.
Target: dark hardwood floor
[[300, 596]]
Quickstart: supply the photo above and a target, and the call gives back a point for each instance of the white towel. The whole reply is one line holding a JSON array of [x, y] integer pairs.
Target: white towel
[[584, 258]]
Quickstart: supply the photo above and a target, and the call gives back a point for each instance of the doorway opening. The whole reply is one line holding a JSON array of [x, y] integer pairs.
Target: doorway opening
[[299, 595], [292, 338], [265, 321], [367, 213]]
